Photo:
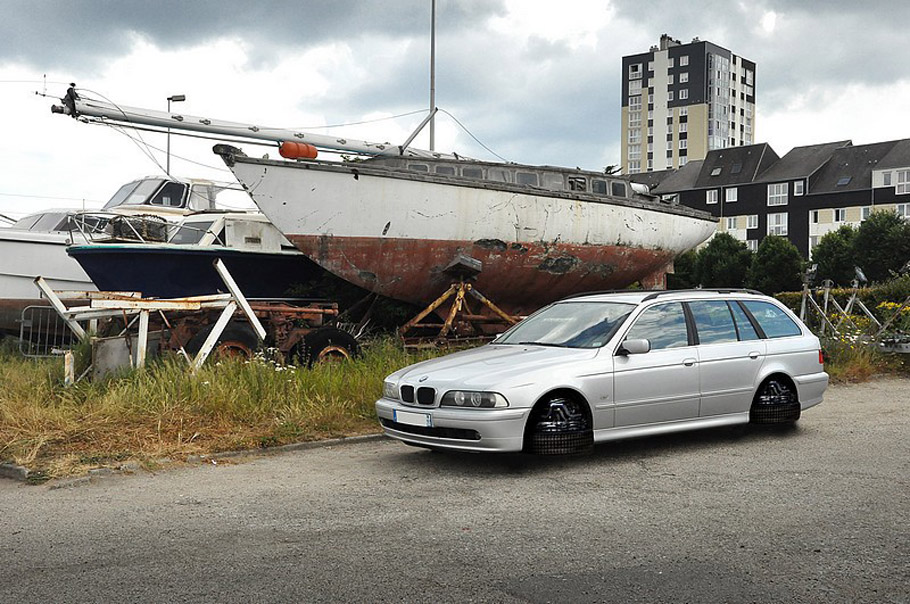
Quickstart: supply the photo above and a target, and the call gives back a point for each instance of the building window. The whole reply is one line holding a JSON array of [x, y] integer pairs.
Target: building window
[[683, 94], [730, 195], [670, 79], [752, 221], [635, 71], [711, 196], [684, 127], [886, 179], [777, 224], [634, 103], [682, 161], [813, 241], [683, 60], [684, 77], [716, 171], [670, 96], [670, 62], [840, 215], [867, 211], [777, 194], [731, 223], [903, 210], [634, 167], [843, 181], [635, 119], [635, 87], [634, 136], [736, 168], [682, 144], [634, 151], [814, 216], [903, 182], [683, 111], [798, 187], [650, 65], [752, 244]]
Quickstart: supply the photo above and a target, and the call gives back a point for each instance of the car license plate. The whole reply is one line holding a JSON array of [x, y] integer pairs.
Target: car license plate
[[413, 419]]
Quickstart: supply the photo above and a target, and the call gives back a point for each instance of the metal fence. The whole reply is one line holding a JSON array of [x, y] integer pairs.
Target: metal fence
[[43, 333]]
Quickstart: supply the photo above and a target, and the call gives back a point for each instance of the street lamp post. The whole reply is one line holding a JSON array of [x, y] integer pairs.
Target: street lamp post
[[176, 99]]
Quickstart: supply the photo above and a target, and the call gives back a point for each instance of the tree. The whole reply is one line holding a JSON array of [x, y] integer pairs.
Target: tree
[[834, 255], [882, 245], [683, 275], [723, 262], [776, 267]]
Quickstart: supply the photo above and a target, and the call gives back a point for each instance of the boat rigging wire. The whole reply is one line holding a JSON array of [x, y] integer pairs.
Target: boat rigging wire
[[471, 134]]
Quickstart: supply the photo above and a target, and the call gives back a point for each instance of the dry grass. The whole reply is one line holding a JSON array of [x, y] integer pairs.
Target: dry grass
[[165, 412]]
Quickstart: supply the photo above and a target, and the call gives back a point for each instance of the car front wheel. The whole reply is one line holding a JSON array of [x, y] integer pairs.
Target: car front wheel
[[559, 425]]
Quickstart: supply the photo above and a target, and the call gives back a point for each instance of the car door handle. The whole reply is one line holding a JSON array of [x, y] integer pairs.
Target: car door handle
[[688, 362], [754, 355]]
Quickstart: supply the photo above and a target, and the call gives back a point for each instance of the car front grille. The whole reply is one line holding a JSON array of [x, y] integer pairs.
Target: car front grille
[[424, 395], [452, 433]]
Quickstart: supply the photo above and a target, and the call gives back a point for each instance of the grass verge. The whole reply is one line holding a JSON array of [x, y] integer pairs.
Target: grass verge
[[165, 412]]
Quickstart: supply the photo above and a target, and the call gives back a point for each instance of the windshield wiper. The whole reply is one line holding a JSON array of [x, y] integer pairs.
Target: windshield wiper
[[553, 344]]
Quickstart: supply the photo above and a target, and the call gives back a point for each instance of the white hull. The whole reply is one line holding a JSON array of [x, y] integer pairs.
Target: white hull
[[25, 255], [394, 232]]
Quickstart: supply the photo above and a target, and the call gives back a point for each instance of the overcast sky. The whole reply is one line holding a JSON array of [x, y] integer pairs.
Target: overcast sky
[[535, 81]]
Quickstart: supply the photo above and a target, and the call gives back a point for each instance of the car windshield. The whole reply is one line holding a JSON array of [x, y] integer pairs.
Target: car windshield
[[570, 325]]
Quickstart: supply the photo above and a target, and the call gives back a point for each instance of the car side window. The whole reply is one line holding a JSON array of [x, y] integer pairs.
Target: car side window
[[743, 324], [663, 325], [713, 321], [772, 320]]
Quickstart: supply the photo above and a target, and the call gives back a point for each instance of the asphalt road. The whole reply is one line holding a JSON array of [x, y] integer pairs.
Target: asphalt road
[[815, 514]]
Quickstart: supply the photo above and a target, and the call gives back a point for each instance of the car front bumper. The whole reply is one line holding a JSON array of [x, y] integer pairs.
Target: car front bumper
[[453, 428]]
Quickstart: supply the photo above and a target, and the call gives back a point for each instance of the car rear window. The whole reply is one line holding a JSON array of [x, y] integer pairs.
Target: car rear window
[[773, 321], [713, 321], [663, 325], [743, 324]]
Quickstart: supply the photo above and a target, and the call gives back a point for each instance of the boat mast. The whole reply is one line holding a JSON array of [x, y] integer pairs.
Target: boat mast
[[433, 78]]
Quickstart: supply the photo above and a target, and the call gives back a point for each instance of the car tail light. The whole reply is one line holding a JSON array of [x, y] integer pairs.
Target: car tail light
[[821, 357]]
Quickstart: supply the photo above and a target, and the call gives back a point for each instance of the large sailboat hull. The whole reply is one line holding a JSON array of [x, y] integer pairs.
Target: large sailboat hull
[[394, 232]]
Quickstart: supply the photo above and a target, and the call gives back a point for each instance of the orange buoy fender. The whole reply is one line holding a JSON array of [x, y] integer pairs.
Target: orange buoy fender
[[295, 150]]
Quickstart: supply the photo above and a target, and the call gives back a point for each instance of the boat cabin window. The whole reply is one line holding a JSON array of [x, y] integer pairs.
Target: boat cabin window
[[418, 167], [526, 178], [553, 182], [189, 233], [577, 183], [122, 194], [138, 195], [499, 175], [53, 221], [618, 189], [26, 223], [83, 223], [446, 170], [599, 186], [472, 172], [170, 196]]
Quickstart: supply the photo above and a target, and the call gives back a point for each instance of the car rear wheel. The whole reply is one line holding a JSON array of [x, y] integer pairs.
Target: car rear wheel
[[559, 425], [775, 403]]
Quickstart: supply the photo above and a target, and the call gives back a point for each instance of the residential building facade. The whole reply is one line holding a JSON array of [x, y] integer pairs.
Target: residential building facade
[[810, 191], [680, 101]]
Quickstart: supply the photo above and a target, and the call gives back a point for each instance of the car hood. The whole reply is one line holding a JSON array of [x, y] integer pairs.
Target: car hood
[[491, 366]]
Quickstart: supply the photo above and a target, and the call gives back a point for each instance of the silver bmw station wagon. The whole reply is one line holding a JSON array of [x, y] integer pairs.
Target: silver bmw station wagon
[[606, 366]]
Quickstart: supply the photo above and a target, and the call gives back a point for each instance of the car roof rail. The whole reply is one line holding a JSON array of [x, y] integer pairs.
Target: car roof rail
[[715, 290], [605, 291]]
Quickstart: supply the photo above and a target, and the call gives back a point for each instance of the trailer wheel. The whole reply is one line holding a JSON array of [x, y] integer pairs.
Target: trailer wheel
[[237, 340], [328, 344]]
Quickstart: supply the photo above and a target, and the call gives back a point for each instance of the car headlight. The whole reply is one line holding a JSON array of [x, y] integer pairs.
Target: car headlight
[[466, 398], [390, 390]]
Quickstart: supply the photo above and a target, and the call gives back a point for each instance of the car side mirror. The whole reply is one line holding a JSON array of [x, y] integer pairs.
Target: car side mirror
[[634, 347]]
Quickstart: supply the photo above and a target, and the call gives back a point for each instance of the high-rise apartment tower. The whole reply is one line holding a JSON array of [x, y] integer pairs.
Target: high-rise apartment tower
[[680, 101]]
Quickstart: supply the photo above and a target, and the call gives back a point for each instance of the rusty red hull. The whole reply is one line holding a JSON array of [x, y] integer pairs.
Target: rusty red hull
[[518, 277]]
